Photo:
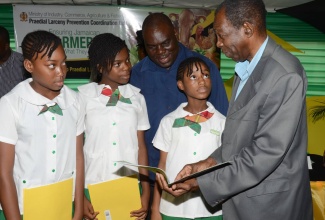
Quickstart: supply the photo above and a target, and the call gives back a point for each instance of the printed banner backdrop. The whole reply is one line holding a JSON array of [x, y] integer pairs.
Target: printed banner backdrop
[[77, 25]]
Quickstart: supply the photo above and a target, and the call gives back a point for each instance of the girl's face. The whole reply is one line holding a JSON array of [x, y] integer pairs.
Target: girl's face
[[48, 73], [198, 84], [120, 71]]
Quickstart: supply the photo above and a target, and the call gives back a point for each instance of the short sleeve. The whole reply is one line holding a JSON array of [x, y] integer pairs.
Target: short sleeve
[[163, 137], [143, 120], [8, 119], [81, 115]]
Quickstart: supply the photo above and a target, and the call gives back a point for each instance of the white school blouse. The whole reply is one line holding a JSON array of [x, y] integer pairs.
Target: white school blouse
[[111, 131], [185, 146], [45, 145]]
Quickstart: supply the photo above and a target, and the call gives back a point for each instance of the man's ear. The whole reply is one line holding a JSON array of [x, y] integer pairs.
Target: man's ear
[[28, 65], [248, 29], [180, 85]]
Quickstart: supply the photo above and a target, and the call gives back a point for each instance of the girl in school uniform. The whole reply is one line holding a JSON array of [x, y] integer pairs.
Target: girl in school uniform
[[41, 134], [115, 119], [187, 135]]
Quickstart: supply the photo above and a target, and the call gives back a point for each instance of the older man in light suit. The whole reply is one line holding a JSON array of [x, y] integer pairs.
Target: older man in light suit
[[265, 134]]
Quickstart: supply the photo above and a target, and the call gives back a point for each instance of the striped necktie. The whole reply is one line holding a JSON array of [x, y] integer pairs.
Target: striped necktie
[[114, 97], [54, 108], [193, 121]]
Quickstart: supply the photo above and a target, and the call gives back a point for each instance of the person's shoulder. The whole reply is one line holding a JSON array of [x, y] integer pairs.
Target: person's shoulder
[[220, 116], [68, 98], [129, 90], [18, 56], [177, 112], [136, 90], [70, 92], [217, 114], [14, 96], [138, 65], [169, 118], [140, 70], [87, 88], [9, 97], [282, 58], [20, 87], [141, 64]]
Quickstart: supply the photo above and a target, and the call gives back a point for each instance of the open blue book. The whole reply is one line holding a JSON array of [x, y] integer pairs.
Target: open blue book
[[162, 172]]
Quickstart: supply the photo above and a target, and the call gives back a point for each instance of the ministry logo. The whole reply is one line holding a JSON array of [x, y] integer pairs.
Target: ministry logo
[[23, 16]]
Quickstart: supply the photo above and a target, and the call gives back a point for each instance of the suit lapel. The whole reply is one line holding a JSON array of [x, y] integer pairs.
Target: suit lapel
[[235, 85], [253, 83]]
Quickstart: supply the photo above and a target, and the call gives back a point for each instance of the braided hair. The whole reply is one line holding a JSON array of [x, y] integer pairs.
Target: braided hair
[[102, 52], [37, 42], [186, 66]]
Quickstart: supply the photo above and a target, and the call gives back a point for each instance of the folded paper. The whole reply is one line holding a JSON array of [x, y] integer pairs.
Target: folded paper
[[50, 202], [116, 198]]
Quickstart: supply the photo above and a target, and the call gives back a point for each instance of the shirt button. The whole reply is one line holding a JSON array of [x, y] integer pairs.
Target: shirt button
[[53, 170], [24, 181], [53, 152], [115, 164], [53, 118], [114, 123], [114, 143], [195, 134], [194, 153], [54, 135]]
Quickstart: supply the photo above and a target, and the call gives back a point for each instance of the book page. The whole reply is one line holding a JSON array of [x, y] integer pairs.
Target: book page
[[193, 175]]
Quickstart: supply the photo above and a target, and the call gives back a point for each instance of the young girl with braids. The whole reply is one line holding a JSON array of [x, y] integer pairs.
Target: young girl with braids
[[187, 135], [115, 119], [41, 134]]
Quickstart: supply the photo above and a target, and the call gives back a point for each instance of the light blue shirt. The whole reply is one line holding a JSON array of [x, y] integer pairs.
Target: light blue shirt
[[245, 69]]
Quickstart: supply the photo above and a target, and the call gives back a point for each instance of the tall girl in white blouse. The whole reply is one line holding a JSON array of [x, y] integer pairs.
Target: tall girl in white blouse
[[41, 134], [115, 118]]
